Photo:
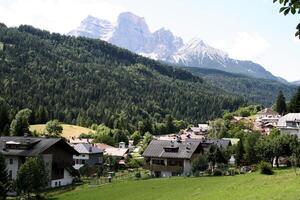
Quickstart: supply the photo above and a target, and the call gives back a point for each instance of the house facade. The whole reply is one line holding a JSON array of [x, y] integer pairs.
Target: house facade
[[166, 158], [290, 124], [89, 154], [55, 152]]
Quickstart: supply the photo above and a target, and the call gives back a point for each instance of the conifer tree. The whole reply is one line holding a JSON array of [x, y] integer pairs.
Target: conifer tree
[[280, 105], [3, 178], [294, 106]]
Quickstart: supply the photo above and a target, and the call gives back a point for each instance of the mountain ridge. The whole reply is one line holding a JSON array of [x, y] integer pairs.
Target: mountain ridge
[[132, 32], [84, 81], [296, 82]]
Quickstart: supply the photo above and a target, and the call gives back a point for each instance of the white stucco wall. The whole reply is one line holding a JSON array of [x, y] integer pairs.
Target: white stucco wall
[[291, 132], [14, 167], [67, 180], [80, 157]]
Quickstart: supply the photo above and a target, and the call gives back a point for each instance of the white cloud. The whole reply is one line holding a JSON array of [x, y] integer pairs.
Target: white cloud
[[55, 15], [248, 46], [296, 40], [219, 44]]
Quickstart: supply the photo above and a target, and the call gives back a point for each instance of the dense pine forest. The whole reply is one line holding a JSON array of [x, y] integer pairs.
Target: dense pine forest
[[84, 81], [256, 91]]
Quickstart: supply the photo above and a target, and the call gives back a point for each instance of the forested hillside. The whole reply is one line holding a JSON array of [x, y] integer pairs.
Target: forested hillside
[[255, 90], [84, 81]]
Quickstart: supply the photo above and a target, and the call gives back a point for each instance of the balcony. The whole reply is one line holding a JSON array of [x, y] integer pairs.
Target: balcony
[[154, 167]]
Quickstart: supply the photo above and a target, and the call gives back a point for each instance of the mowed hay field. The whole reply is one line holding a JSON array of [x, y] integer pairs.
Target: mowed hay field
[[284, 185], [68, 130]]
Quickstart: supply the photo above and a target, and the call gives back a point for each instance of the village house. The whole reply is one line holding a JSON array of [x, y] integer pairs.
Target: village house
[[266, 120], [201, 129], [74, 140], [171, 158], [290, 124], [268, 116], [55, 152], [119, 153], [89, 154]]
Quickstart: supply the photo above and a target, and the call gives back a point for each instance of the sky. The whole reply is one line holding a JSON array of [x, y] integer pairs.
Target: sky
[[245, 29]]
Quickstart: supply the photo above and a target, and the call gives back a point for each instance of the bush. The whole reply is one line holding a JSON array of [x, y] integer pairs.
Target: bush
[[138, 175], [265, 168], [200, 164], [218, 172]]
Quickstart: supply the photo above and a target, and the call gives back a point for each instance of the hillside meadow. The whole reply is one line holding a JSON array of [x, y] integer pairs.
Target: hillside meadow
[[68, 130], [283, 185]]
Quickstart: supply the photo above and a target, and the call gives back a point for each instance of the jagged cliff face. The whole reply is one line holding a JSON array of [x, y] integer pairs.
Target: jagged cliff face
[[132, 32]]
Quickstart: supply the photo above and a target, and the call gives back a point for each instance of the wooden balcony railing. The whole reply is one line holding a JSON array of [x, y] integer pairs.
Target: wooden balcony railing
[[163, 168]]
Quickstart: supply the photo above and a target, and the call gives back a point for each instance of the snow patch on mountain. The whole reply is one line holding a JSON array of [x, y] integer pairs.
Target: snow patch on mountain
[[132, 32]]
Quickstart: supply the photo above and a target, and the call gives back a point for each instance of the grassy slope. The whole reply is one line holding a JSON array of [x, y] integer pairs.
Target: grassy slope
[[68, 130], [283, 185]]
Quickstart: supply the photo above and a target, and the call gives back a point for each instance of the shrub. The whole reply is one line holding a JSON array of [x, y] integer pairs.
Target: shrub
[[265, 168], [218, 172], [138, 175], [200, 164]]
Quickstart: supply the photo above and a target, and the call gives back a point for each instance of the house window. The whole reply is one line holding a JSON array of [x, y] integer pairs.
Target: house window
[[83, 162], [158, 162], [11, 161]]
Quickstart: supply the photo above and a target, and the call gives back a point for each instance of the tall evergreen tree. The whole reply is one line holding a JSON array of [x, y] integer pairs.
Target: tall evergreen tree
[[280, 105], [3, 178], [239, 152], [4, 117], [41, 116], [294, 106]]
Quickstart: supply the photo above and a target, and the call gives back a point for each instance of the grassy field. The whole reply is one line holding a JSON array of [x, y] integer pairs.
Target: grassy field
[[68, 130], [283, 185]]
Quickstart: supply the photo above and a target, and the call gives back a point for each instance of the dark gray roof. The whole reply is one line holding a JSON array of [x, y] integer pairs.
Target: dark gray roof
[[37, 145], [185, 149], [221, 143], [87, 149]]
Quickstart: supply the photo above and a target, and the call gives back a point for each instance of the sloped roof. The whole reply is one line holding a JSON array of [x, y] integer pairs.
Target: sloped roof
[[102, 146], [84, 148], [37, 145], [291, 117], [221, 143], [118, 152], [185, 149], [267, 111], [80, 140]]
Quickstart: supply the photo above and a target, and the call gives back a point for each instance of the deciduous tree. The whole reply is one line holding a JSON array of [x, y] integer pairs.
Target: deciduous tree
[[293, 7], [20, 125], [32, 177], [53, 128]]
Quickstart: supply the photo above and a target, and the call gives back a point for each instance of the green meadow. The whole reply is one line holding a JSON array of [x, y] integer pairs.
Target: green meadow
[[284, 184]]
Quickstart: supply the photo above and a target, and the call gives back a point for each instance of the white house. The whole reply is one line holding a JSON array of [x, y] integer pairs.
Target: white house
[[55, 152], [89, 154], [290, 124]]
